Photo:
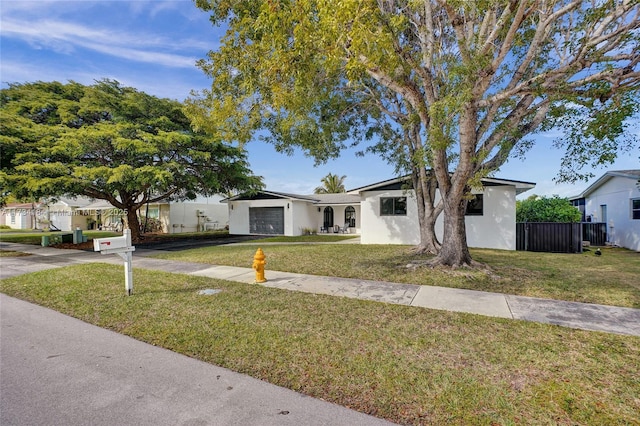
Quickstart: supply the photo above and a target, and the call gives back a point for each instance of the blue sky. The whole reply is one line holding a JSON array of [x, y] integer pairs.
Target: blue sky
[[153, 46]]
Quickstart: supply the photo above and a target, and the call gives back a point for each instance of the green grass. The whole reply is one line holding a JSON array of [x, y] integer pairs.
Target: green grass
[[610, 279], [318, 238], [409, 365], [35, 238]]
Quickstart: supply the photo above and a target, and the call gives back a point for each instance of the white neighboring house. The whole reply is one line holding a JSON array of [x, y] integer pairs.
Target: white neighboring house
[[614, 199], [203, 213], [382, 213], [20, 215], [62, 214]]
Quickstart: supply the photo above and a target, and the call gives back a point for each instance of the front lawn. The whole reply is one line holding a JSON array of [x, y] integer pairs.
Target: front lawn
[[610, 279], [409, 365]]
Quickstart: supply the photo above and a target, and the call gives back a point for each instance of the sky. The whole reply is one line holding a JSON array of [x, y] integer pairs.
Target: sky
[[153, 46]]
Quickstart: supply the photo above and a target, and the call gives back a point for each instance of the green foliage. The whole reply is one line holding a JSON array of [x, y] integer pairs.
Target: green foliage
[[546, 209], [331, 184], [110, 142], [475, 78]]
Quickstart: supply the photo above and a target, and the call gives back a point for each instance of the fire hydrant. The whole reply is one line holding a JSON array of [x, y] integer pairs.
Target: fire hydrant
[[258, 265]]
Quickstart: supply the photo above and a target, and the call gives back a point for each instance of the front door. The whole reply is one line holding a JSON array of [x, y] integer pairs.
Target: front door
[[328, 217]]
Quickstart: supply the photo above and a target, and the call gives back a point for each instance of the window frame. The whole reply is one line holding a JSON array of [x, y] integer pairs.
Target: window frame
[[351, 219], [635, 210], [475, 210], [395, 210]]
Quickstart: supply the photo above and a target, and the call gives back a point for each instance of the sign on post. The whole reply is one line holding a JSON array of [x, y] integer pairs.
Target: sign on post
[[123, 248]]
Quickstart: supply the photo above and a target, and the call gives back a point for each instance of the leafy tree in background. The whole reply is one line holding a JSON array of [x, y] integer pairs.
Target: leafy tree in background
[[475, 77], [110, 142], [546, 209], [331, 184]]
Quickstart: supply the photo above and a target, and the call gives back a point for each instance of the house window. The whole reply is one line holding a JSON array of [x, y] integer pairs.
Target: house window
[[474, 206], [350, 216], [635, 209], [393, 206], [13, 217]]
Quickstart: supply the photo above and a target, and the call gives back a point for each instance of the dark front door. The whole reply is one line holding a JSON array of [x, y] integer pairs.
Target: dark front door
[[328, 217]]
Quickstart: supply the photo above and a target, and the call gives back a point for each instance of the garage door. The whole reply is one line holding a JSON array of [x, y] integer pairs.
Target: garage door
[[266, 220]]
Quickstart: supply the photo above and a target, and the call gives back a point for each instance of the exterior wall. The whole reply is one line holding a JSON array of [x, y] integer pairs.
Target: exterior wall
[[298, 216], [21, 218], [303, 215], [496, 228], [183, 216], [616, 194]]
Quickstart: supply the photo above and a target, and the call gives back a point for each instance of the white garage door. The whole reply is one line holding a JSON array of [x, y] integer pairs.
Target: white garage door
[[266, 220]]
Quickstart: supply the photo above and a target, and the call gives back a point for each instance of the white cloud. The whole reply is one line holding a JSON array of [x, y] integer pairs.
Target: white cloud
[[64, 37]]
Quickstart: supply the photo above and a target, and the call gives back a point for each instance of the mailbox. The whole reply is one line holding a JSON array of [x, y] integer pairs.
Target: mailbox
[[113, 245], [123, 248]]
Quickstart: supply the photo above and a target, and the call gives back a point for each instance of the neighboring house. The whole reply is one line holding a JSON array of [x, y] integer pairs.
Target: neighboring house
[[614, 199], [382, 213], [65, 214], [20, 215], [173, 217]]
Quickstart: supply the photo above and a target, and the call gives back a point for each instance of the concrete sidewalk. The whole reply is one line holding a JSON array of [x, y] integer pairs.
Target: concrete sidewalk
[[584, 316]]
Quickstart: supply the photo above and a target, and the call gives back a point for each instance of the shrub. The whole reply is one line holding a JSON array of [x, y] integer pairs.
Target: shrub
[[546, 209]]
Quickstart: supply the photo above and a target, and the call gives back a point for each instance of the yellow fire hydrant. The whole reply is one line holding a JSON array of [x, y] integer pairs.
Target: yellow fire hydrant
[[258, 265]]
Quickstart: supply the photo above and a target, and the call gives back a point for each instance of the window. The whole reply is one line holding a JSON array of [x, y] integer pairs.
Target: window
[[635, 209], [350, 216], [474, 206], [393, 206], [13, 217]]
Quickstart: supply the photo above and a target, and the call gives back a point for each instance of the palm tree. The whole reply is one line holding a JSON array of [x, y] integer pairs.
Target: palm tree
[[331, 184]]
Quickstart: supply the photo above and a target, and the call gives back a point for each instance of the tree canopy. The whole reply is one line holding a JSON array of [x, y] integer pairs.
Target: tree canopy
[[331, 184], [468, 80], [110, 142], [546, 209]]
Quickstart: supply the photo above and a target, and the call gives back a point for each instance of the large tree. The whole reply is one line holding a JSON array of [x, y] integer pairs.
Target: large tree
[[111, 142], [477, 77]]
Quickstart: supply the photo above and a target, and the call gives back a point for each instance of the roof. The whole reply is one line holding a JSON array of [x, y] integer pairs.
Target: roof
[[332, 199], [630, 174], [71, 201], [520, 186], [342, 198], [98, 205]]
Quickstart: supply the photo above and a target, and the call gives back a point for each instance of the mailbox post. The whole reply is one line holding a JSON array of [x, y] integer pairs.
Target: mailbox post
[[123, 248]]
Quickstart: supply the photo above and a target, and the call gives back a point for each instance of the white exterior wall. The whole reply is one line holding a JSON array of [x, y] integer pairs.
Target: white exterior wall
[[496, 228], [21, 218], [378, 229], [183, 215], [616, 194]]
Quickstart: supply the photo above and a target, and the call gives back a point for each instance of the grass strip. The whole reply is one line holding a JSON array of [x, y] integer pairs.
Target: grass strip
[[405, 364], [609, 279]]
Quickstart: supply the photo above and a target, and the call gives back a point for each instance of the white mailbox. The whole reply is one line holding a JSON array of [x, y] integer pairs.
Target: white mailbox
[[112, 245], [123, 248]]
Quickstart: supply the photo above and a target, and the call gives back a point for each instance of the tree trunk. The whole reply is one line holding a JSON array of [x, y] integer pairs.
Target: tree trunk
[[424, 186], [454, 251], [133, 224]]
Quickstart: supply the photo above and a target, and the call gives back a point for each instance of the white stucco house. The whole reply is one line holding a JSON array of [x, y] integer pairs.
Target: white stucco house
[[614, 198], [67, 214], [381, 213], [200, 214]]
